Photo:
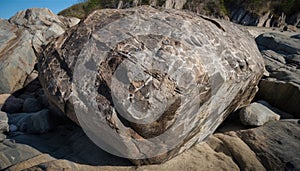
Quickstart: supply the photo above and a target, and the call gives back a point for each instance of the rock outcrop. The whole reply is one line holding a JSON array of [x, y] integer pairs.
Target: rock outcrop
[[21, 37], [17, 58], [43, 25], [276, 144], [282, 58], [149, 72]]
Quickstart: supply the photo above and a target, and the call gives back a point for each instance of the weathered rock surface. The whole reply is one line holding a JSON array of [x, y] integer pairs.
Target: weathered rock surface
[[257, 114], [282, 59], [17, 58], [12, 153], [277, 144], [21, 37], [42, 24], [189, 63], [231, 145]]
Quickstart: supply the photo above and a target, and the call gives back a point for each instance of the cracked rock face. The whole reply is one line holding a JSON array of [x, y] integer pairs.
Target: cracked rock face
[[150, 83], [42, 24], [17, 58], [21, 39]]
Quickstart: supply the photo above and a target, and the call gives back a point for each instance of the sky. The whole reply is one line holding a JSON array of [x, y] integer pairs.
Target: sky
[[8, 8]]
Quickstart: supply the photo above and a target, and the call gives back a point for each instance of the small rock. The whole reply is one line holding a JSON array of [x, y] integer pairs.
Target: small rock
[[13, 105], [13, 128], [38, 122], [31, 105], [3, 122], [257, 114]]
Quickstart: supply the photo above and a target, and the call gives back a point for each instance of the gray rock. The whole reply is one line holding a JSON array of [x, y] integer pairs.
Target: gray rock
[[279, 43], [26, 30], [38, 122], [198, 61], [42, 24], [282, 87], [3, 122], [276, 144], [12, 153], [31, 105], [17, 58], [12, 105], [257, 114]]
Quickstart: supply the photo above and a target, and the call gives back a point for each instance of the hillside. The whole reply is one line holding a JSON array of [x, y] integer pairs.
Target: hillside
[[249, 12]]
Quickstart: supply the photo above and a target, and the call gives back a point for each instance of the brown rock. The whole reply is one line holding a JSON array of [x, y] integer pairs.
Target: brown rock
[[245, 158]]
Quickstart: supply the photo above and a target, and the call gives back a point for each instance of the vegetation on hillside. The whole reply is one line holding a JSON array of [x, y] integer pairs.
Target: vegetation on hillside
[[218, 8], [289, 7]]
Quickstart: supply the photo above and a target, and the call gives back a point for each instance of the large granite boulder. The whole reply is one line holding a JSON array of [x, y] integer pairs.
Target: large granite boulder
[[23, 35], [281, 88], [150, 83]]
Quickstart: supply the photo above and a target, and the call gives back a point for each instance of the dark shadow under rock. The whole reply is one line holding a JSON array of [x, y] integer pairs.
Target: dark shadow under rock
[[69, 142]]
